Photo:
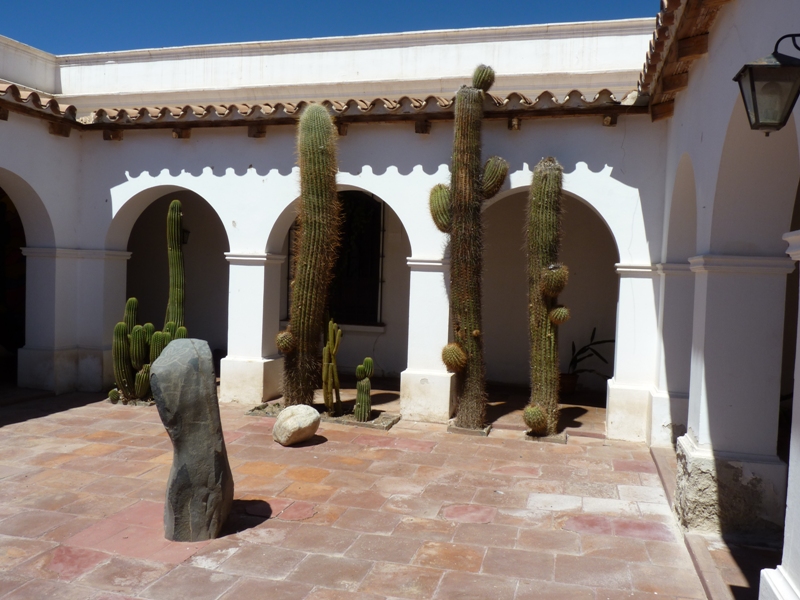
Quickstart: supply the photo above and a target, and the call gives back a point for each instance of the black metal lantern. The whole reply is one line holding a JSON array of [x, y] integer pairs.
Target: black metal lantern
[[770, 87]]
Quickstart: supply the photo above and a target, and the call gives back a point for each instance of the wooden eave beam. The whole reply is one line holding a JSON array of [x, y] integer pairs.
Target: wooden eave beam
[[692, 48]]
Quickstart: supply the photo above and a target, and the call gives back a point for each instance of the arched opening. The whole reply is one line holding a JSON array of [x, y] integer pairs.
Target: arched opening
[[369, 293], [205, 266], [12, 289], [590, 252]]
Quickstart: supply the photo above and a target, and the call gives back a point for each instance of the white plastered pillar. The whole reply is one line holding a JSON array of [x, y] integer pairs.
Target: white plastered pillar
[[426, 388], [49, 359], [783, 583], [102, 282], [252, 371], [729, 476], [635, 352], [670, 397]]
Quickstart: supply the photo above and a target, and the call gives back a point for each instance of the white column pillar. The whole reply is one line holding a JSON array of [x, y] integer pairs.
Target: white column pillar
[[635, 353], [48, 360], [670, 398], [101, 296], [426, 388], [253, 370], [783, 583], [729, 476]]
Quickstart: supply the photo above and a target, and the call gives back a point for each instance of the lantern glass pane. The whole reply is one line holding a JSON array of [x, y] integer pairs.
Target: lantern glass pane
[[746, 84], [775, 93]]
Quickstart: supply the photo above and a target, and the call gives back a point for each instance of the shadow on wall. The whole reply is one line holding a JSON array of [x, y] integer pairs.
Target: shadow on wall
[[588, 250], [205, 264]]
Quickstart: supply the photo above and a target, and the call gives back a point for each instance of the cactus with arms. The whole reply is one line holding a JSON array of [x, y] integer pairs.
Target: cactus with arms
[[317, 245], [456, 210], [139, 346], [546, 280], [330, 374], [363, 409]]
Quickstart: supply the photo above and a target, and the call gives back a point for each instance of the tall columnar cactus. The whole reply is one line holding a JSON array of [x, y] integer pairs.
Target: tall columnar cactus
[[363, 409], [546, 280], [143, 344], [330, 374], [316, 249], [176, 272], [456, 209]]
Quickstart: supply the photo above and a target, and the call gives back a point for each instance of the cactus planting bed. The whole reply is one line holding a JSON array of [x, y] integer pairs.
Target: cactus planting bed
[[382, 420]]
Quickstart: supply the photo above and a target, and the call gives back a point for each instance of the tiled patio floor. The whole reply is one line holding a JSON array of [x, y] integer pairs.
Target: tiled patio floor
[[357, 514]]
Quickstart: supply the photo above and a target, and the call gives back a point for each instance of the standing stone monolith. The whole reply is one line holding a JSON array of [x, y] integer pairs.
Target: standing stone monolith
[[200, 486]]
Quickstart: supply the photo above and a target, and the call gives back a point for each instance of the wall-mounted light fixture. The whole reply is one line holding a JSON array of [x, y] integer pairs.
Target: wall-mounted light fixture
[[770, 87]]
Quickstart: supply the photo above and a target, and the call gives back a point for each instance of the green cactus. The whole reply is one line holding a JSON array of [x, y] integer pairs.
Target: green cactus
[[120, 352], [149, 329], [171, 328], [546, 280], [181, 333], [317, 245], [157, 344], [330, 374], [363, 409], [114, 396], [176, 272], [131, 307], [536, 419], [139, 349], [457, 210], [143, 382]]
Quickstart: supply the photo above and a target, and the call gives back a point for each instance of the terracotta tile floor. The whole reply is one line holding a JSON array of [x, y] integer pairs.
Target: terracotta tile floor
[[356, 514]]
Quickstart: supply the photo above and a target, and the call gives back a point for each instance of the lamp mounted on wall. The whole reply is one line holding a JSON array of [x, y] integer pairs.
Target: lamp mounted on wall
[[770, 87]]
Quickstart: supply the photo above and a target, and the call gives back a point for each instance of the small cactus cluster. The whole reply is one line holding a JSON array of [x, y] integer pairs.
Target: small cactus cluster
[[546, 280], [363, 409], [316, 249], [456, 210], [136, 347], [330, 375]]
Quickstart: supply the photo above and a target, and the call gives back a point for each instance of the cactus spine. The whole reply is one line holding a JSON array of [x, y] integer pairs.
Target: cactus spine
[[330, 374], [317, 245], [363, 409], [176, 272], [120, 351], [457, 210], [546, 280]]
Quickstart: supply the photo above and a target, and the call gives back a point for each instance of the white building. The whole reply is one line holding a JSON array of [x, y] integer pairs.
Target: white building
[[674, 232]]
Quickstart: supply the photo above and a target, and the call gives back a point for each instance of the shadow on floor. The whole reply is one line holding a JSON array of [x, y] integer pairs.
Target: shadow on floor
[[33, 404]]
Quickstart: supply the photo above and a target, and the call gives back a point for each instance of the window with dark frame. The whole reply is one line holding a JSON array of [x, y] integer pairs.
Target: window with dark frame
[[355, 293]]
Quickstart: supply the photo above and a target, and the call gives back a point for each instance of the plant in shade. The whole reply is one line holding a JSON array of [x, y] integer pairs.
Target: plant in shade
[[546, 280], [456, 210], [330, 374], [363, 409], [136, 347], [316, 247]]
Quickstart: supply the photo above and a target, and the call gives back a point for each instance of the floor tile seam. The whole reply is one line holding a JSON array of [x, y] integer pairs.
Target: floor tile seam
[[141, 592]]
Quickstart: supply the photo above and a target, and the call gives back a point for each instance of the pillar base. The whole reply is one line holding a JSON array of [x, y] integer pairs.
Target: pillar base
[[725, 492], [628, 412], [669, 413], [427, 396], [44, 369], [250, 380], [777, 585]]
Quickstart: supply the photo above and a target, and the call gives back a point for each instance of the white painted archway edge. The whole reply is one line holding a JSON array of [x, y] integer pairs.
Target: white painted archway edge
[[619, 206]]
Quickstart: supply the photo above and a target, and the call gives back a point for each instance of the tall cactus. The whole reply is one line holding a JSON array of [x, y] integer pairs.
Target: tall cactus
[[143, 344], [330, 374], [546, 280], [176, 273], [317, 245], [363, 409], [457, 210]]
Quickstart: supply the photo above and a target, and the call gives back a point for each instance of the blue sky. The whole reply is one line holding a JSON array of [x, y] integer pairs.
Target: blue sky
[[91, 26]]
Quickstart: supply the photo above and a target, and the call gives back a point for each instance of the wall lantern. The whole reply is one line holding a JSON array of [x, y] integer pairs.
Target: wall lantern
[[770, 87]]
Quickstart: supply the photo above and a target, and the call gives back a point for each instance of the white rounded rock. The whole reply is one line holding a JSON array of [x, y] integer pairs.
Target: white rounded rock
[[295, 424]]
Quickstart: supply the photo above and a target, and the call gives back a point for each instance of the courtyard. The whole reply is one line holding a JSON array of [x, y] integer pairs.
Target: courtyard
[[355, 513]]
